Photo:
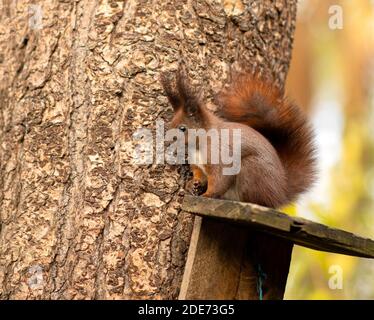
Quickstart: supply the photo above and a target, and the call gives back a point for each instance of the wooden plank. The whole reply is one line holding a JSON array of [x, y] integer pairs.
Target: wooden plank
[[190, 258], [224, 262], [297, 230]]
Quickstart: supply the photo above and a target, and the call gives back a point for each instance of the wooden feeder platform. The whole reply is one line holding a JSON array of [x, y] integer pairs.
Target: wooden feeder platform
[[243, 251]]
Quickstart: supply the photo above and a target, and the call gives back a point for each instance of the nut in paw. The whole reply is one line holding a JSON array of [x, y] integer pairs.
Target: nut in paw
[[196, 187]]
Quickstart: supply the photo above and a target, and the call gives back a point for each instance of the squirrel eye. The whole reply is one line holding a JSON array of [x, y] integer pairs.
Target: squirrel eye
[[182, 128]]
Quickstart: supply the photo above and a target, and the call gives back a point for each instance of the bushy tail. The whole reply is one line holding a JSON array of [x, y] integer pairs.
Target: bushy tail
[[255, 102]]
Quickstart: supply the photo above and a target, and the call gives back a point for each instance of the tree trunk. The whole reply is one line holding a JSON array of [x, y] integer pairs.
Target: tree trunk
[[78, 219]]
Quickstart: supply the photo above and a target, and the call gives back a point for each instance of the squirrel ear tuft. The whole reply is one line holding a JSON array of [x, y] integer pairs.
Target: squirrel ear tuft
[[190, 99], [180, 93], [170, 90]]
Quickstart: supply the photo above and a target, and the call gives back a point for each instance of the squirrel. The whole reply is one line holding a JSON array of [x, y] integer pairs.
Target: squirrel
[[277, 141]]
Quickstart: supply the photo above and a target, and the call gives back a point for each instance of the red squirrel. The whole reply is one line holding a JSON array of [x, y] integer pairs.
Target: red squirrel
[[277, 150]]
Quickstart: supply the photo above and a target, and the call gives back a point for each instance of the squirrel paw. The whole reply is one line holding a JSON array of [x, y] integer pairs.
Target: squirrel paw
[[211, 195], [195, 187]]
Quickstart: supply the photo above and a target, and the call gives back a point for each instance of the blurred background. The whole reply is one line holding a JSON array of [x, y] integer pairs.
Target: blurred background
[[332, 77]]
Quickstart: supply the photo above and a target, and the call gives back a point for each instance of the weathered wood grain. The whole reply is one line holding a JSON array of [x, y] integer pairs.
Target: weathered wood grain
[[225, 261], [297, 230]]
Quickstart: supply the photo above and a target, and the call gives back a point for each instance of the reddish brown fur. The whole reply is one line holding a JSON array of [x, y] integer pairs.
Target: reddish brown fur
[[255, 102], [277, 151]]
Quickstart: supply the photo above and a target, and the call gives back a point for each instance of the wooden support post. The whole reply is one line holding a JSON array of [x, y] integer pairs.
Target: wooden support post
[[243, 251], [232, 262]]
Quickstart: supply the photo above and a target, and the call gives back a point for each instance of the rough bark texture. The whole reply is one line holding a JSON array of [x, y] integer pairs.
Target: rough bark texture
[[78, 219]]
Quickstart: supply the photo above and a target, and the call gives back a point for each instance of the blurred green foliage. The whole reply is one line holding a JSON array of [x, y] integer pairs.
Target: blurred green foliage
[[341, 71]]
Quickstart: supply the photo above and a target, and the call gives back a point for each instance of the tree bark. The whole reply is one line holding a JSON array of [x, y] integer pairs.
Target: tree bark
[[78, 219]]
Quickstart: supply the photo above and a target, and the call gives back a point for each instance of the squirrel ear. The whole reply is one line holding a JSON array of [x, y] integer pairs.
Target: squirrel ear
[[189, 97], [180, 94], [171, 93]]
